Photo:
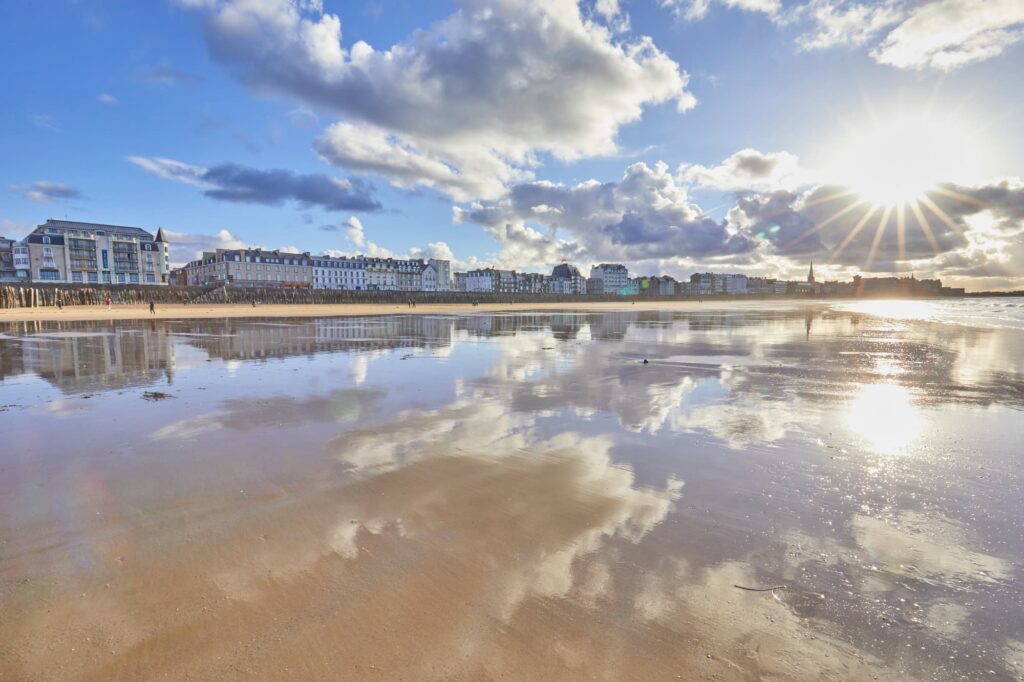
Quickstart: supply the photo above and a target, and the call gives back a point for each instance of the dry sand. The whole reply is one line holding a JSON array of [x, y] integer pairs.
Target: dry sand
[[133, 312]]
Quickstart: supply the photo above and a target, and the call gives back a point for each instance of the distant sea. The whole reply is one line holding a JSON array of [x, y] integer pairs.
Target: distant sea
[[1002, 312]]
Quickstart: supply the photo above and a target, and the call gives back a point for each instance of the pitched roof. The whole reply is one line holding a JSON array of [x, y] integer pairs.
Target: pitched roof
[[76, 225]]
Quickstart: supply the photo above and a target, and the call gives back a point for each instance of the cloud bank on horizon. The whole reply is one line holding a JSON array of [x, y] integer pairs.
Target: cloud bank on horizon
[[513, 114]]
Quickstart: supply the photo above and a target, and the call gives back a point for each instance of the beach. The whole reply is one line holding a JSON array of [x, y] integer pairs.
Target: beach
[[804, 490], [199, 311]]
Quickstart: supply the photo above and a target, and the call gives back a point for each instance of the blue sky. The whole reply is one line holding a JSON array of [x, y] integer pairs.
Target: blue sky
[[672, 135]]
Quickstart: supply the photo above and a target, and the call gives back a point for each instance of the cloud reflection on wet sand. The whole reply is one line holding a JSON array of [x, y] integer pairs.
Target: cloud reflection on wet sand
[[315, 519]]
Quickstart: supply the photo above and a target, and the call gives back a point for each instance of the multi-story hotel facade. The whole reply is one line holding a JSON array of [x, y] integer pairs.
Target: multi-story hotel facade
[[248, 267], [68, 251], [259, 268], [608, 278]]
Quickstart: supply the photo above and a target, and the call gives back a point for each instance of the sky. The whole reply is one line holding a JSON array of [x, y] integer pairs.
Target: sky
[[675, 136]]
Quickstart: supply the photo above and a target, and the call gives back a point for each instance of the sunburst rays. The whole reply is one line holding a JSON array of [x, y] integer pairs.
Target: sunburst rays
[[926, 213]]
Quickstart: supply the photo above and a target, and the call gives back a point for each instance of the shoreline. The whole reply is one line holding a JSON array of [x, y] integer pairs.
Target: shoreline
[[236, 310]]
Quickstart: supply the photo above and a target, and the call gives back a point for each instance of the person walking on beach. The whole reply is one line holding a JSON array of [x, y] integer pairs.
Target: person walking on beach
[[152, 308], [109, 301], [60, 304]]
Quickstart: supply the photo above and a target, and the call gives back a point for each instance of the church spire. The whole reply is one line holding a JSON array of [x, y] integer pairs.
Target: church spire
[[810, 274]]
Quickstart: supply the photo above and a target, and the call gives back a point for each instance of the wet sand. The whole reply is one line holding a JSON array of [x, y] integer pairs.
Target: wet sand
[[201, 311], [512, 496]]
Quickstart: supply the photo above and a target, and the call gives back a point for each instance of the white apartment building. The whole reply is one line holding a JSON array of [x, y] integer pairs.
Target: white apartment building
[[341, 273], [735, 284], [609, 278]]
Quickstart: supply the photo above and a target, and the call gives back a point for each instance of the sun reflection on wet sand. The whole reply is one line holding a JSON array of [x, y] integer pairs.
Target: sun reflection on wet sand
[[896, 309], [884, 416]]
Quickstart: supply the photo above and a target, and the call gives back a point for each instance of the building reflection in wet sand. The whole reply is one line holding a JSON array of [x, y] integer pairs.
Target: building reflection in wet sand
[[513, 495]]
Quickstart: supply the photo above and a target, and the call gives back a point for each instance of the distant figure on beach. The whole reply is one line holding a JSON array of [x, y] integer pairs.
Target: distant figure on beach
[[110, 302], [152, 308], [60, 304], [254, 303]]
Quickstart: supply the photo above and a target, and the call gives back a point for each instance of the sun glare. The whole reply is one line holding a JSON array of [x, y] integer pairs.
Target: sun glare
[[884, 417], [898, 160]]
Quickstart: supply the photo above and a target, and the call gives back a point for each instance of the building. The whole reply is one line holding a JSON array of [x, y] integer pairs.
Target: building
[[735, 285], [900, 287], [716, 284], [657, 286], [760, 286], [608, 278], [567, 280], [532, 283], [443, 270], [74, 252], [250, 267], [481, 281], [7, 271], [429, 278], [339, 273]]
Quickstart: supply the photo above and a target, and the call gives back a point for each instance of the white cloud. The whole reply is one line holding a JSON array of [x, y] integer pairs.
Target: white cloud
[[354, 231], [646, 215], [302, 116], [780, 220], [169, 169], [44, 192], [948, 34], [186, 246], [694, 10], [463, 173], [747, 170], [465, 105], [934, 34], [109, 100], [839, 23]]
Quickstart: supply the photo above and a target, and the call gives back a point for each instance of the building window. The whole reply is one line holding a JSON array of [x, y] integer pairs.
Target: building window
[[46, 240], [93, 277], [49, 275], [150, 279], [133, 278]]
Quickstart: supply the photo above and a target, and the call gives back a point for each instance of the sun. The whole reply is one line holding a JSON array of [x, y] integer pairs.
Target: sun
[[898, 159]]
